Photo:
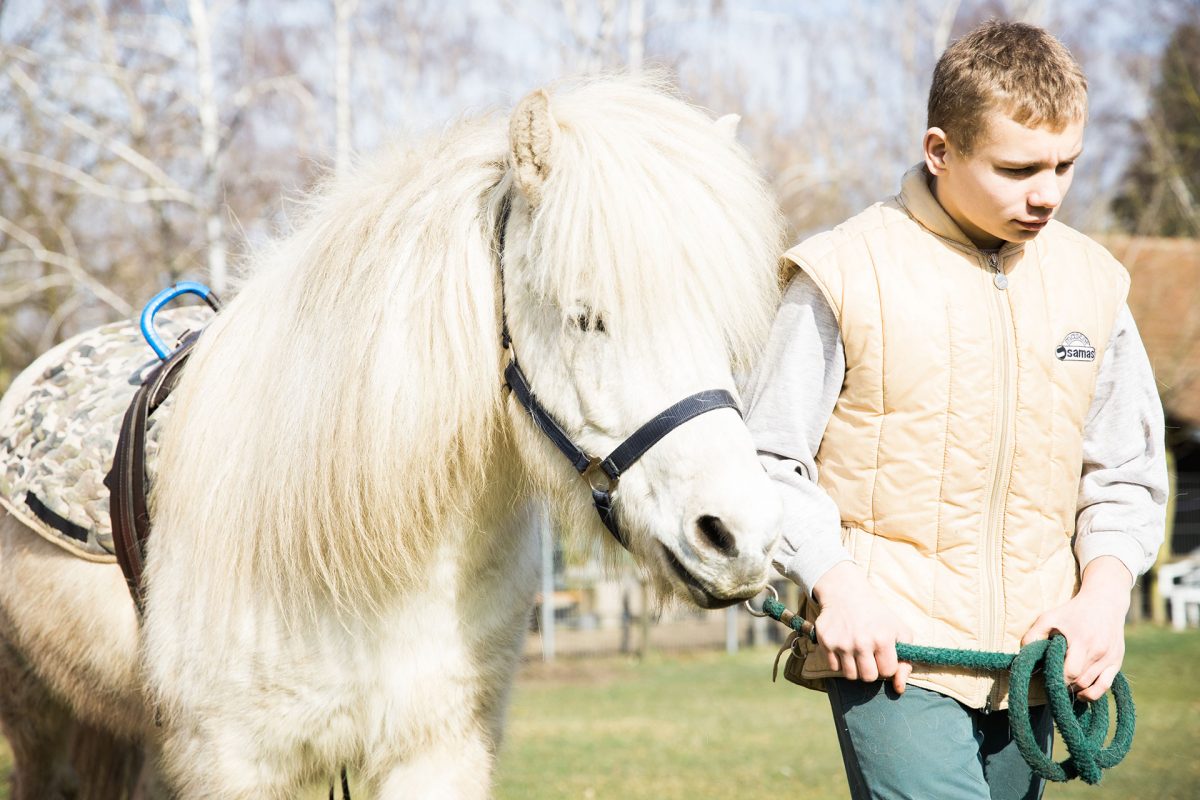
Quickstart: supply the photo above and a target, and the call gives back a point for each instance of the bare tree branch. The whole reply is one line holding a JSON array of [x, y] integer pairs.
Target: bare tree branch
[[148, 81], [72, 266], [92, 186], [282, 84], [31, 288], [53, 325], [944, 26], [108, 46], [31, 90]]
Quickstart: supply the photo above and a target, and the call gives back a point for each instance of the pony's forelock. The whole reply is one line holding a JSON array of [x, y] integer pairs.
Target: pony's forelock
[[653, 218]]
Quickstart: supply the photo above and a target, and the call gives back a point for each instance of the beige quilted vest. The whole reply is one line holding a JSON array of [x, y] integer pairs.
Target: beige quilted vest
[[954, 449]]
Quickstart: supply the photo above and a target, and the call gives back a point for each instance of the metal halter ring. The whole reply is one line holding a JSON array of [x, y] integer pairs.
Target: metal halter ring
[[774, 596], [597, 478]]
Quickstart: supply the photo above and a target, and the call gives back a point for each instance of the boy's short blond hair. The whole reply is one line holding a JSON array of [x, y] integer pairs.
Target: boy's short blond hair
[[1017, 69]]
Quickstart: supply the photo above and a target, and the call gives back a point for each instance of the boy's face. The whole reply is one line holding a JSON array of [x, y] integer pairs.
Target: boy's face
[[1011, 183]]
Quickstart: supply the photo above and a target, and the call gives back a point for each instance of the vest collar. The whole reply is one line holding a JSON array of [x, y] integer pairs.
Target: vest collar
[[918, 200]]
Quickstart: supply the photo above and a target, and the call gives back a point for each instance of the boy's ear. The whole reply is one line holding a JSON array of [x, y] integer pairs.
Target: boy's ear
[[935, 151]]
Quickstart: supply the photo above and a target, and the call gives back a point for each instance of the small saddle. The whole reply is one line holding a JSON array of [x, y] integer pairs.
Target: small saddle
[[60, 426]]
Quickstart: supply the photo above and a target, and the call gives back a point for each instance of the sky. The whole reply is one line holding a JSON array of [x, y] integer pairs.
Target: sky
[[822, 73]]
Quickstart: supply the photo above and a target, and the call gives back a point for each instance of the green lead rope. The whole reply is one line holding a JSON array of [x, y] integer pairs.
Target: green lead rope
[[1083, 726]]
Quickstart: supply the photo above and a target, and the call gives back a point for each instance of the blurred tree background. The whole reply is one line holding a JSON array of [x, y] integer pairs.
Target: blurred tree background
[[144, 141], [1159, 191]]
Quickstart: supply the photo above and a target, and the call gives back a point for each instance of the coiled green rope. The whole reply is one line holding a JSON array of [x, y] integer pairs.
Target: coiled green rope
[[1082, 725]]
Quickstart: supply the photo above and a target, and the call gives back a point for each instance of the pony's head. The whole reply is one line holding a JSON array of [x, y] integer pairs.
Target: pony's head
[[640, 267]]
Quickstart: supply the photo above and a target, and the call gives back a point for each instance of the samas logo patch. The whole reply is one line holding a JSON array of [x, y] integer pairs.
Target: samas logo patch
[[1075, 347]]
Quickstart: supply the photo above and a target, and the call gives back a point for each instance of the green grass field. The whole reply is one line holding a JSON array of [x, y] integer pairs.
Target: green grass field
[[707, 725], [714, 726]]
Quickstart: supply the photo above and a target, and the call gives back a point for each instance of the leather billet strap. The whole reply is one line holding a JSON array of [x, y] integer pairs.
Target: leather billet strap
[[602, 475], [126, 481]]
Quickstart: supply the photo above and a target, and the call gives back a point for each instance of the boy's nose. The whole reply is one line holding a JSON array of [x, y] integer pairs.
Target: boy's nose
[[1046, 194]]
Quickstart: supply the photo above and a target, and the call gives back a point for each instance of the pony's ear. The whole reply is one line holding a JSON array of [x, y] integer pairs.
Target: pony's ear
[[727, 126], [531, 133]]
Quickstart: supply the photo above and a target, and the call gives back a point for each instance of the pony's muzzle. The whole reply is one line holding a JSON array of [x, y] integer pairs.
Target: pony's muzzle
[[711, 567], [724, 550]]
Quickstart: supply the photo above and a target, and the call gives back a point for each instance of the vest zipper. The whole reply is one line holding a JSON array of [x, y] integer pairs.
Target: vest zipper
[[1001, 467]]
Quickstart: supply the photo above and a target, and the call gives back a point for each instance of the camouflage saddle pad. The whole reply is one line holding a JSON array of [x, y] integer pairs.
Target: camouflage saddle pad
[[59, 425]]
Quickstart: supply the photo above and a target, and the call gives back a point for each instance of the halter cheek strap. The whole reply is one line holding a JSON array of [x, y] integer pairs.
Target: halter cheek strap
[[602, 475]]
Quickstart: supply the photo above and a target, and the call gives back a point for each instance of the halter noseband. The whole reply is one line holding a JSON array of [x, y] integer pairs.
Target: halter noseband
[[601, 475]]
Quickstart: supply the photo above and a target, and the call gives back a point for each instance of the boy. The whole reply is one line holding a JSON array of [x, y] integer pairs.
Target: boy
[[961, 418]]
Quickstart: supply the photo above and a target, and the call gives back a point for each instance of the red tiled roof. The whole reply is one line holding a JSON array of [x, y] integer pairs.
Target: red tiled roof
[[1165, 300]]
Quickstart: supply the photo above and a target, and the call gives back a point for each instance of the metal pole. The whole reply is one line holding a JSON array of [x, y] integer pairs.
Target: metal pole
[[731, 629], [543, 523], [644, 622]]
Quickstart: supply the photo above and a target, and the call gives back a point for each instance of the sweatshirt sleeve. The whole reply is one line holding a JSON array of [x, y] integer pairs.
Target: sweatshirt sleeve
[[1123, 487], [789, 401]]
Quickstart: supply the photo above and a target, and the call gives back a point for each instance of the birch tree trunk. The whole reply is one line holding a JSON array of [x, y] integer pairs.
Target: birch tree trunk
[[343, 12], [637, 35], [212, 200]]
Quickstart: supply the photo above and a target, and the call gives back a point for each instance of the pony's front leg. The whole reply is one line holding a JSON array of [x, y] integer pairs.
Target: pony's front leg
[[459, 770], [229, 758]]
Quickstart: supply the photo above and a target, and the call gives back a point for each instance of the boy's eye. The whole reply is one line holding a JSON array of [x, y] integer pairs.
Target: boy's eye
[[1064, 168], [1018, 172]]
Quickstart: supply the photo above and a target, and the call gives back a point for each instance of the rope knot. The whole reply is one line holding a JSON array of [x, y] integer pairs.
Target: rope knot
[[1082, 725]]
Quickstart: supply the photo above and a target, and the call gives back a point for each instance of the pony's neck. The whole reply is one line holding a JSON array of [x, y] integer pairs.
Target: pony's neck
[[376, 426]]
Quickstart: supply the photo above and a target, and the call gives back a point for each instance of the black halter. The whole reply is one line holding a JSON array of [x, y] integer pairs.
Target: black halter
[[601, 475]]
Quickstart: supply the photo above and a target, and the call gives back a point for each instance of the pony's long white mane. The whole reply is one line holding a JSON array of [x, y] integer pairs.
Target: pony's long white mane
[[341, 411], [654, 222]]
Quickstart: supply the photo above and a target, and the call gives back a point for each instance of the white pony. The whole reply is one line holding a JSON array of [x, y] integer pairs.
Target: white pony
[[341, 569]]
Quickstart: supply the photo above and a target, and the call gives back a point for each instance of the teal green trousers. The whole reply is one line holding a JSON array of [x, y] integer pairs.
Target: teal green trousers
[[922, 745]]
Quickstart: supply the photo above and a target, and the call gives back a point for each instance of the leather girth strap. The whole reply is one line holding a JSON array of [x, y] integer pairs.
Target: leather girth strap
[[126, 481]]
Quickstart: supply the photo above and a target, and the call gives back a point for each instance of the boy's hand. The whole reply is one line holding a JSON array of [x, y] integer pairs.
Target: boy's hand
[[1094, 623], [857, 629]]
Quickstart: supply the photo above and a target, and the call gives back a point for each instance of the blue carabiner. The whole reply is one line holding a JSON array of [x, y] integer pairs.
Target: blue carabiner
[[161, 299]]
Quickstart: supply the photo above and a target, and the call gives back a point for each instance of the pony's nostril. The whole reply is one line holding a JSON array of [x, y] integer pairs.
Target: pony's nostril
[[713, 531]]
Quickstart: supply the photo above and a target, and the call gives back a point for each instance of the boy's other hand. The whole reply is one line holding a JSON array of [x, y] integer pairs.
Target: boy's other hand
[[1094, 623], [857, 629]]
